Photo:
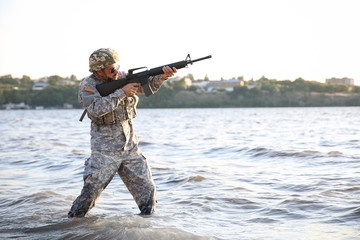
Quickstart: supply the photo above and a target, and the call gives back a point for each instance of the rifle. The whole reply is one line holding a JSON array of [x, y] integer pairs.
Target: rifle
[[141, 77]]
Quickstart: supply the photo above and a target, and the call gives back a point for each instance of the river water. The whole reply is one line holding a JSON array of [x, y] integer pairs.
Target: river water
[[246, 173]]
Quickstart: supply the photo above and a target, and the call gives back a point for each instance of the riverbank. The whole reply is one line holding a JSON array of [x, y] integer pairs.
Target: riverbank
[[189, 99]]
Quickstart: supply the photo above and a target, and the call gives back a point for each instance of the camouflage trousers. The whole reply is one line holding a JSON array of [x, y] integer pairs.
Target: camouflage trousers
[[101, 167]]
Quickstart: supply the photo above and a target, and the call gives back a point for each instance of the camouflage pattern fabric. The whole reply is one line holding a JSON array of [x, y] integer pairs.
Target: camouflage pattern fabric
[[101, 167], [114, 148], [102, 58]]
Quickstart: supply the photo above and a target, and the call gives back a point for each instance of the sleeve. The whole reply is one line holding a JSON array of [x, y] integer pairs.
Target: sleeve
[[95, 104], [155, 83]]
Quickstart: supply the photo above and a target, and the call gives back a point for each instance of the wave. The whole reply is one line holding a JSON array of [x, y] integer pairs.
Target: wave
[[261, 152], [125, 228], [197, 178], [183, 179], [42, 215], [270, 153], [144, 143]]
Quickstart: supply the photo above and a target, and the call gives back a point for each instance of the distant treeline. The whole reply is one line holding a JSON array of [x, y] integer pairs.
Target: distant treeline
[[15, 90], [259, 93], [254, 93]]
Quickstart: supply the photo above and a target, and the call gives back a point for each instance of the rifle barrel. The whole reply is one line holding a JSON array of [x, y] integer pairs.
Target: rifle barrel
[[200, 59]]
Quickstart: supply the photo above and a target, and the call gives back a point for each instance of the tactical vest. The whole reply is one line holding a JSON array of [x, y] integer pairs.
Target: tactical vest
[[126, 110]]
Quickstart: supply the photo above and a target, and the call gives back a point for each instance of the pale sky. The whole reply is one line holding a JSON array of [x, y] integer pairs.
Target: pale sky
[[281, 39]]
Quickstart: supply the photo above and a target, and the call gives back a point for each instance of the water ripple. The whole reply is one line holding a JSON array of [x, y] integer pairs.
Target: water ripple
[[289, 173]]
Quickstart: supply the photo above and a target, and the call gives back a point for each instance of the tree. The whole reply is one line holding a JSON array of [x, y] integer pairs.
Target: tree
[[356, 89], [73, 78], [239, 90], [52, 80], [190, 76], [263, 78], [180, 85], [301, 85], [206, 78], [194, 88], [8, 80], [26, 82]]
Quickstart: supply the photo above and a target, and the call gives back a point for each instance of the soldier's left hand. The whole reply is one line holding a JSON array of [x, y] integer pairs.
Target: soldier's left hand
[[168, 72]]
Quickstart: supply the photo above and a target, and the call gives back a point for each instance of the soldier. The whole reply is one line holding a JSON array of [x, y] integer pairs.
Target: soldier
[[114, 145]]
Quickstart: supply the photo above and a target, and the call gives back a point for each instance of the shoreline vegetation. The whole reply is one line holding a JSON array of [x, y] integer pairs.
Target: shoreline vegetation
[[58, 92]]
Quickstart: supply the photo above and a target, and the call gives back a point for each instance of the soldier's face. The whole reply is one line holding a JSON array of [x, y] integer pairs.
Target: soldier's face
[[112, 71]]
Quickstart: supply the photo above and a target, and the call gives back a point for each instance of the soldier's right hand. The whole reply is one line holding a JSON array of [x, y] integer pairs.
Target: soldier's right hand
[[130, 89]]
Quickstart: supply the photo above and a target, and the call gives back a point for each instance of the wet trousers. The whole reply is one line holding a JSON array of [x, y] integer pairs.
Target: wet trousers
[[101, 167]]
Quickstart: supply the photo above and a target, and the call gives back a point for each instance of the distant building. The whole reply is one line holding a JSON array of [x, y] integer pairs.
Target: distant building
[[202, 85], [345, 80], [66, 82], [67, 106], [39, 86], [11, 106], [254, 84], [228, 85]]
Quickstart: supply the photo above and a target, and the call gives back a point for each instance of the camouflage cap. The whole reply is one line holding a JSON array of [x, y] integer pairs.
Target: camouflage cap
[[102, 58]]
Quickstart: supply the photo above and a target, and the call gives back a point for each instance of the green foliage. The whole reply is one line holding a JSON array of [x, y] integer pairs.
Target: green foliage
[[263, 92], [190, 76], [53, 80], [26, 82], [162, 98], [194, 88], [273, 93], [73, 78], [53, 96], [206, 78], [179, 85], [355, 89], [8, 81], [239, 90]]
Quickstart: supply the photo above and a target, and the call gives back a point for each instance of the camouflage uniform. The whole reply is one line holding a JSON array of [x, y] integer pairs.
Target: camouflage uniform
[[114, 148]]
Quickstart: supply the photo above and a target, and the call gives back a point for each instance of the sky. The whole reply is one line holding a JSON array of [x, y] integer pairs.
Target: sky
[[278, 39]]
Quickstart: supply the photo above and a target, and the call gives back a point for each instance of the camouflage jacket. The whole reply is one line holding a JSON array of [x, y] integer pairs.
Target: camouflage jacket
[[111, 128]]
